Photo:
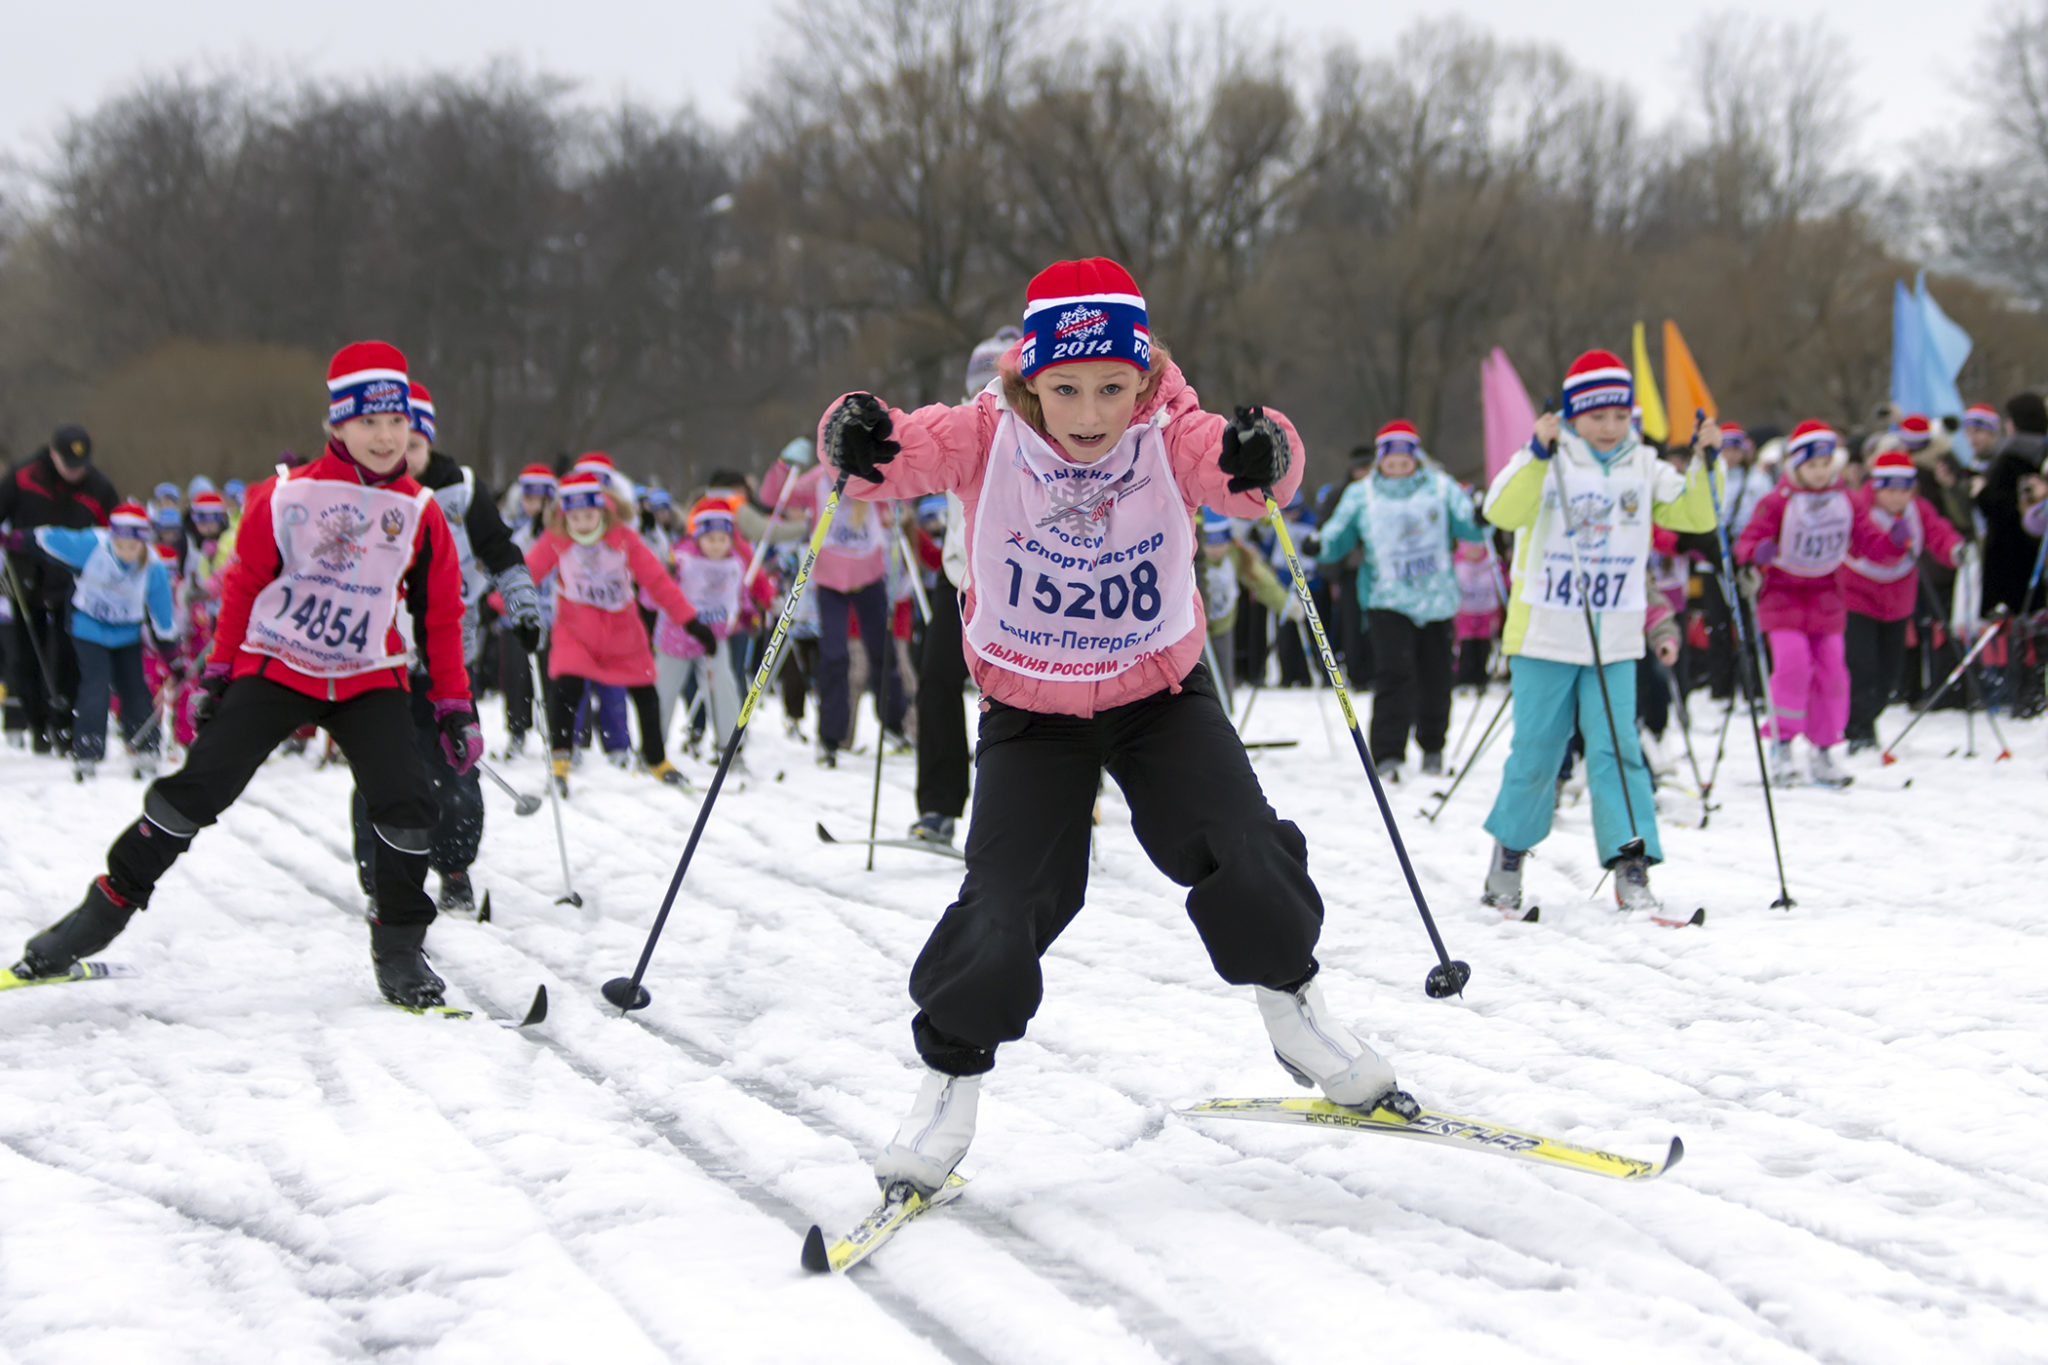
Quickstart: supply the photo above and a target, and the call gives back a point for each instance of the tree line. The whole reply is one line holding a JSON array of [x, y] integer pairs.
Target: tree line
[[1341, 233]]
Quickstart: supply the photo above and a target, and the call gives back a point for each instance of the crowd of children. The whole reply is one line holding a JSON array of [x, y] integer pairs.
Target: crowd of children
[[1089, 546]]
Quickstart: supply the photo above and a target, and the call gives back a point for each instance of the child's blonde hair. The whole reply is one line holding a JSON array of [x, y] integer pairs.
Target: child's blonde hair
[[1025, 403]]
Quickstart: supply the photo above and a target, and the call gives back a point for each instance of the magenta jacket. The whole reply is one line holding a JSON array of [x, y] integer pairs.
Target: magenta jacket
[[945, 449], [1891, 596], [1812, 606]]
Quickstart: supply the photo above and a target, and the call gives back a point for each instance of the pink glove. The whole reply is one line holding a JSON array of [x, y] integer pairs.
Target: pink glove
[[1900, 533], [462, 739]]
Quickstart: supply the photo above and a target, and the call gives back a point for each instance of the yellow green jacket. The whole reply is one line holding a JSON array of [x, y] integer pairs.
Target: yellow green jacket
[[1627, 496]]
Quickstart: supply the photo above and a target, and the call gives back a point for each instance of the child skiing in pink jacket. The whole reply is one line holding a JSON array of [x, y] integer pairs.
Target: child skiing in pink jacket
[[1880, 595], [1802, 531], [598, 637], [1079, 468]]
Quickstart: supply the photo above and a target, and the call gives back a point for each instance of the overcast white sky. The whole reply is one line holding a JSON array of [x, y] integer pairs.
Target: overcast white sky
[[1908, 56]]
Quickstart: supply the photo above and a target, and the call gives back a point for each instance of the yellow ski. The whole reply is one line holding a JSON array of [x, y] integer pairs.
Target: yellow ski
[[80, 971], [1447, 1129], [901, 1204]]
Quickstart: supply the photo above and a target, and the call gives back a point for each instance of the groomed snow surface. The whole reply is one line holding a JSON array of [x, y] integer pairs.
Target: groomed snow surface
[[244, 1156]]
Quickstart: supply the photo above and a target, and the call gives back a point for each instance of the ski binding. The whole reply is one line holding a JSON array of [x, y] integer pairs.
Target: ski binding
[[80, 971], [901, 1203]]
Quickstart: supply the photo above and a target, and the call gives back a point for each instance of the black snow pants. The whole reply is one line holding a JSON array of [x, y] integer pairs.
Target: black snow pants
[[1876, 654], [1197, 809], [374, 732], [460, 797], [1411, 684], [942, 709]]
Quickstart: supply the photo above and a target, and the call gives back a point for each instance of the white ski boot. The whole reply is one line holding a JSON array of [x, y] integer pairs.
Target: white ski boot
[[1823, 771], [1317, 1050], [1632, 886], [934, 1135], [1784, 768], [1504, 880]]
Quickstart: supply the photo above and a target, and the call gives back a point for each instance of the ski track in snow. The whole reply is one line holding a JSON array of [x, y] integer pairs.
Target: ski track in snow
[[242, 1155]]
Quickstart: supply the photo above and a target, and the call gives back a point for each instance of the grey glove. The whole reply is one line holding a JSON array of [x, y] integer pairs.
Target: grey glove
[[522, 605]]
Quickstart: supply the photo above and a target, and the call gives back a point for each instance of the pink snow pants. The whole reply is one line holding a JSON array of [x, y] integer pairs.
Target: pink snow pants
[[1809, 687]]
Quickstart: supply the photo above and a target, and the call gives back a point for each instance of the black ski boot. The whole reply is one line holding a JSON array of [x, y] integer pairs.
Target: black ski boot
[[458, 897], [99, 918], [398, 951]]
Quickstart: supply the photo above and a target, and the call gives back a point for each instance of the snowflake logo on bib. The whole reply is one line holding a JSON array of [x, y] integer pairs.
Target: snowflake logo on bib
[[341, 539]]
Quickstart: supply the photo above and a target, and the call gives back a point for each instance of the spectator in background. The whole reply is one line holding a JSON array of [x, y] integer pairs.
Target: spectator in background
[[56, 486], [2008, 550]]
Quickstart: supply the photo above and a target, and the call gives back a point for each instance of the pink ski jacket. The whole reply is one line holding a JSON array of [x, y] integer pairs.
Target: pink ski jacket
[[1812, 606], [945, 449], [606, 646], [836, 569], [1892, 599]]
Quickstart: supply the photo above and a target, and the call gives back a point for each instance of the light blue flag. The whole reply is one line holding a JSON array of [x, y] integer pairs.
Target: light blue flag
[[1948, 346], [1909, 348]]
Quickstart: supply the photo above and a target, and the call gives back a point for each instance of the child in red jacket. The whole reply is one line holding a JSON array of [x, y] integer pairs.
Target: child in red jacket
[[1802, 531], [1880, 595], [327, 556], [598, 562]]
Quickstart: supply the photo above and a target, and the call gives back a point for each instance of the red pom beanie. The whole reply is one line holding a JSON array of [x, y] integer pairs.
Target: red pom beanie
[[1084, 310]]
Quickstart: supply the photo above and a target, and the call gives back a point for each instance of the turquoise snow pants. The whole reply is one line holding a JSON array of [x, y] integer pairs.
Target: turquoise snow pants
[[1549, 697]]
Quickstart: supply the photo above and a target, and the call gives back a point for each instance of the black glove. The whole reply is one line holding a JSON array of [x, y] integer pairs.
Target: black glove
[[212, 686], [1311, 544], [1254, 451], [701, 633], [857, 437]]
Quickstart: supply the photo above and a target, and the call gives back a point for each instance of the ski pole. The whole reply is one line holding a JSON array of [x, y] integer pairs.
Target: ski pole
[[1635, 847], [1478, 705], [1448, 977], [522, 804], [1888, 756], [1685, 729], [1751, 683], [546, 703], [1316, 684], [924, 603], [767, 533], [626, 992], [875, 802], [1486, 738], [28, 628]]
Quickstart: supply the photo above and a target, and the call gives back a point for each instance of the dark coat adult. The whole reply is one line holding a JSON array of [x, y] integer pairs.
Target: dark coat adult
[[2009, 551], [36, 494]]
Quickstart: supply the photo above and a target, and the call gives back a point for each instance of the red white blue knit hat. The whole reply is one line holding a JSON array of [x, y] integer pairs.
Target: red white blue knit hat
[[582, 489], [209, 505], [1735, 438], [1915, 431], [1398, 437], [422, 404], [1981, 415], [1810, 440], [538, 481], [130, 519], [1084, 310], [366, 377], [1893, 469], [706, 517], [1597, 380]]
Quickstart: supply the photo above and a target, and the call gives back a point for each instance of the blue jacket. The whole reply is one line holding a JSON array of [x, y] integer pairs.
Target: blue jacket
[[1405, 527], [109, 603]]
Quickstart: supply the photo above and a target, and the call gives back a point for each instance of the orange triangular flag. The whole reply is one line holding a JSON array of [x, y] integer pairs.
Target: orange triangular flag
[[1685, 392]]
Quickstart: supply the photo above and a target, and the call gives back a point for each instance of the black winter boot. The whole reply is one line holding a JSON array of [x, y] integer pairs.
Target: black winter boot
[[458, 896], [398, 951], [97, 921]]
